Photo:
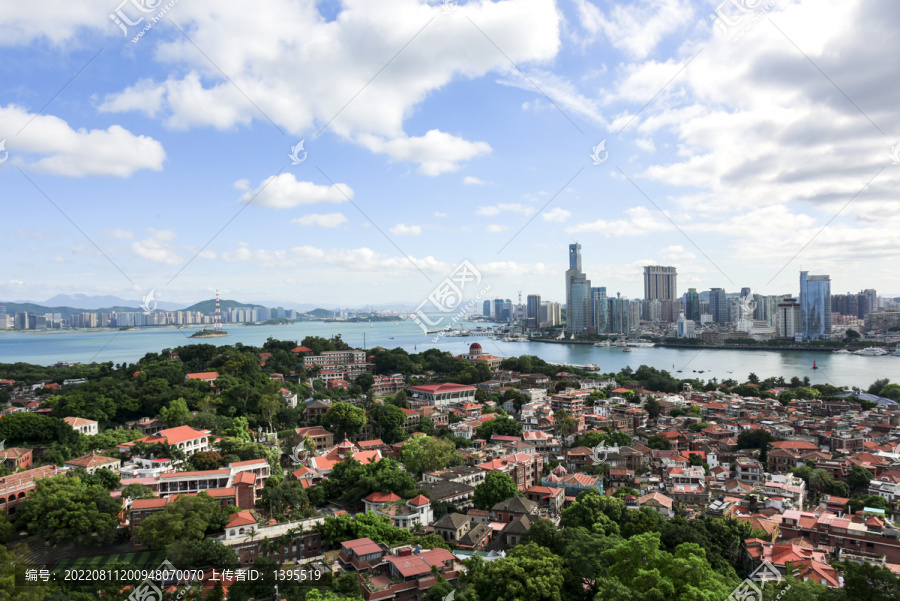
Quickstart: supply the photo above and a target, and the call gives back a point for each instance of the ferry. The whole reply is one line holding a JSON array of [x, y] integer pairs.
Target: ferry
[[872, 351], [842, 351], [603, 343]]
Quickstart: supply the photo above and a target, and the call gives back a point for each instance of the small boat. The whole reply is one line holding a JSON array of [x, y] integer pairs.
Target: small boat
[[625, 349], [605, 343], [842, 351]]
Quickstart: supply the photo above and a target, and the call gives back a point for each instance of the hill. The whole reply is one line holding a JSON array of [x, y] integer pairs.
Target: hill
[[64, 311], [320, 313], [209, 306]]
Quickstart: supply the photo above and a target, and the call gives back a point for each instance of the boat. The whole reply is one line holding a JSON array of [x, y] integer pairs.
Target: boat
[[872, 351], [896, 353], [592, 367], [603, 343], [842, 351], [572, 337], [625, 349], [640, 343]]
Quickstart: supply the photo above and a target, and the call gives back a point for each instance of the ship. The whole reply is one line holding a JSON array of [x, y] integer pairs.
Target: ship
[[604, 343], [872, 351]]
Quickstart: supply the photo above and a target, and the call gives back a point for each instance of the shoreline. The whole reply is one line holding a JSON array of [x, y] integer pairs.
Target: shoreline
[[721, 347]]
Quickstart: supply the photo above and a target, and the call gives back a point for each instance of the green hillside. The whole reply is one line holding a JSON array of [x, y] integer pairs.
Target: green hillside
[[321, 313], [209, 306]]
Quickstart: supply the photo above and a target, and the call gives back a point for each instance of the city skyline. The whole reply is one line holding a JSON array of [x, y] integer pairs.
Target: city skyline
[[365, 176]]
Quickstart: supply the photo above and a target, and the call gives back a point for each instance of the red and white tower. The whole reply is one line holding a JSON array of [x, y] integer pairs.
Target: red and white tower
[[217, 324]]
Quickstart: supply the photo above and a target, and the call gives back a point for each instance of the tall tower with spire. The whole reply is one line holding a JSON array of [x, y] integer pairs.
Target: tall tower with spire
[[217, 324]]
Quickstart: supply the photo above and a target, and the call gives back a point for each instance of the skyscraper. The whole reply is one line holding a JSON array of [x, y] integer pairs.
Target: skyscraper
[[497, 314], [486, 308], [578, 294], [659, 282], [692, 305], [718, 305], [815, 306], [533, 310]]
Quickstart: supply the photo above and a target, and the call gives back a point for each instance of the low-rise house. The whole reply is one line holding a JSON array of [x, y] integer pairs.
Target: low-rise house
[[16, 458], [93, 462], [88, 427], [403, 514], [658, 502]]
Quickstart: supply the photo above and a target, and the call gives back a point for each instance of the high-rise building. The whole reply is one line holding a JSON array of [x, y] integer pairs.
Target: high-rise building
[[533, 310], [575, 257], [685, 327], [718, 305], [486, 308], [660, 283], [766, 308], [601, 315], [692, 305], [858, 305], [788, 319], [815, 306], [551, 314], [497, 313], [578, 294]]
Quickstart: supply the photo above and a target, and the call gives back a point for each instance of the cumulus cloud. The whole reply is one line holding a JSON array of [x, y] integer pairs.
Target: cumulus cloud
[[49, 144], [284, 191], [406, 230], [158, 247], [471, 180], [321, 219], [556, 214], [508, 207], [436, 152], [496, 228]]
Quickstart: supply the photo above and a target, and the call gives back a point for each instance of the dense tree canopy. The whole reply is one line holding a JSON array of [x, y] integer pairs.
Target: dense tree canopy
[[496, 487], [68, 509], [426, 454]]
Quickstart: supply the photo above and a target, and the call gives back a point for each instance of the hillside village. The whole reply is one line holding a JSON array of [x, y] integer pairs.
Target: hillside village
[[390, 472]]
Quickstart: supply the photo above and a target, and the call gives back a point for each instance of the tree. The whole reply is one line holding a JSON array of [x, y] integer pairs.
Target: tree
[[67, 509], [639, 569], [11, 559], [652, 408], [344, 419], [870, 582], [753, 378], [503, 426], [177, 413], [206, 460], [203, 553], [285, 499], [858, 479], [350, 481], [594, 512], [240, 428], [186, 519], [365, 381], [427, 454], [658, 442], [495, 488], [388, 421], [137, 491], [529, 573], [6, 529]]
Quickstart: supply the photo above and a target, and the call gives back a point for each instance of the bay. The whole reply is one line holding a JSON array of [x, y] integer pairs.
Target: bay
[[85, 346]]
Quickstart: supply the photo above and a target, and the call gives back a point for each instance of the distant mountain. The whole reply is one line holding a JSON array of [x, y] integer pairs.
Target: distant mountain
[[95, 303], [209, 306], [37, 309], [320, 313]]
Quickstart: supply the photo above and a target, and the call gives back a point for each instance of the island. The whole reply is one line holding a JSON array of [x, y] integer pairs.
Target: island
[[208, 334]]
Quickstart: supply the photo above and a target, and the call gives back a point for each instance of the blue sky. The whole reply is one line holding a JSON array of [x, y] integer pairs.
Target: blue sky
[[164, 163]]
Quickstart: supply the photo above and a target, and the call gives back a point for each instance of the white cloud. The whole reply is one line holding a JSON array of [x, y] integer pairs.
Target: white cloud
[[77, 153], [439, 214], [284, 192], [641, 221], [321, 219], [556, 214], [158, 247], [636, 28], [676, 252], [334, 61], [242, 184], [508, 207], [122, 234], [496, 229], [436, 152], [471, 180], [406, 230]]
